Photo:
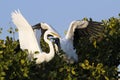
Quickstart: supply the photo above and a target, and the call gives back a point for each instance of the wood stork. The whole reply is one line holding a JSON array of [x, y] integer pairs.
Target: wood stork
[[28, 40], [77, 29]]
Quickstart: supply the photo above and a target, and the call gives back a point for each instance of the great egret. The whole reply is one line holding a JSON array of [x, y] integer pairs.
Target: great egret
[[76, 29], [28, 40]]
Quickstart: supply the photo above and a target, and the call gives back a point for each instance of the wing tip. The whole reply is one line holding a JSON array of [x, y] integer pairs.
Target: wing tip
[[16, 12]]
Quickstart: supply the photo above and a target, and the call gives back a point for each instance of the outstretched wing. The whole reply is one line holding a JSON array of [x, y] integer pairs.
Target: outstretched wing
[[92, 30], [27, 37], [73, 27]]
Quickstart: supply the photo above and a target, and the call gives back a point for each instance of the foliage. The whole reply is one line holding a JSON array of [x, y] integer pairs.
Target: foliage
[[98, 59]]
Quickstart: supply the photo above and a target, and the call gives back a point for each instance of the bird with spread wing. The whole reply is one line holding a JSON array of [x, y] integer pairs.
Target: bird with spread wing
[[28, 38], [78, 28]]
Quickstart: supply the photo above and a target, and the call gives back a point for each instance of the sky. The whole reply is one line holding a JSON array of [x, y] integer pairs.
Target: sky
[[57, 13]]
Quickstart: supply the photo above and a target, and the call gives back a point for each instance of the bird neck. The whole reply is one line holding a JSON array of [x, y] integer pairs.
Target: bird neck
[[50, 44]]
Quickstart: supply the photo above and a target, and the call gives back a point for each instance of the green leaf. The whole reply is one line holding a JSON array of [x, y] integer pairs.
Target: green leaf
[[22, 61], [73, 72], [3, 73], [94, 44], [1, 52]]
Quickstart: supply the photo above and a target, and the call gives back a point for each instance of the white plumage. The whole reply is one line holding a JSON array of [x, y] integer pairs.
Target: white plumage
[[77, 29], [29, 41], [67, 41]]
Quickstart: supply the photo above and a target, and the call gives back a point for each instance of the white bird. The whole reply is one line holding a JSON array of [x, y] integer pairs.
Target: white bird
[[28, 39], [77, 29]]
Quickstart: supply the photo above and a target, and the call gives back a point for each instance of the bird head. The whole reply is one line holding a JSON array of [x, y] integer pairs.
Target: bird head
[[51, 32], [45, 27], [41, 25]]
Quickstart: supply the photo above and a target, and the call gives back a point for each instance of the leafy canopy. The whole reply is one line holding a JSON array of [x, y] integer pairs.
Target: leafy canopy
[[98, 58]]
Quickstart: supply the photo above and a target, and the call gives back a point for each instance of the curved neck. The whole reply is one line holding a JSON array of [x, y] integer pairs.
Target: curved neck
[[51, 52]]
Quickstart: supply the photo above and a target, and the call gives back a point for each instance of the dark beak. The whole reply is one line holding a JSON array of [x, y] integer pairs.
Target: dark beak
[[57, 42], [37, 26]]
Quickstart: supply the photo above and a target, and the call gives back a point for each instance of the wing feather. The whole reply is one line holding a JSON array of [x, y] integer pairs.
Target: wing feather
[[93, 29], [26, 34]]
